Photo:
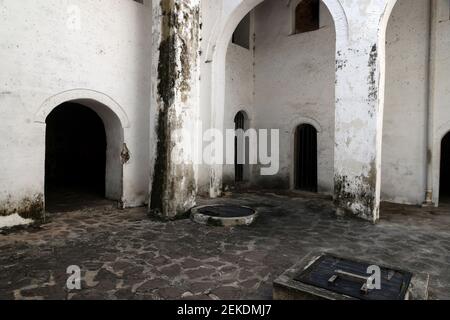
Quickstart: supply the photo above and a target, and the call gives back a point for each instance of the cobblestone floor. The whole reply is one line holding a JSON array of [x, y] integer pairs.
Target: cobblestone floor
[[126, 255]]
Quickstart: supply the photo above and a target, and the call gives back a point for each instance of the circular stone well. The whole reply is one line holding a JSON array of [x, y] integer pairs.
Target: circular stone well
[[224, 215]]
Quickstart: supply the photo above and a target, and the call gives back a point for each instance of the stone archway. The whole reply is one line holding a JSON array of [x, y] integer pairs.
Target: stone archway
[[217, 50], [114, 120]]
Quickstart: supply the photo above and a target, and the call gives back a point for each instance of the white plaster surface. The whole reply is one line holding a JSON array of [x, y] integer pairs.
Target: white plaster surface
[[441, 118], [382, 137], [321, 77], [404, 126], [41, 57], [13, 220], [239, 94], [294, 84]]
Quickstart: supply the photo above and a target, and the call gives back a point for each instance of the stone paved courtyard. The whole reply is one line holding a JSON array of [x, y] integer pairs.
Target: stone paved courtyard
[[126, 255]]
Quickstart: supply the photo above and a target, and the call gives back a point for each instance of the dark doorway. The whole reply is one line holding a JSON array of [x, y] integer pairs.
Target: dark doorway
[[444, 196], [239, 123], [75, 158], [306, 158]]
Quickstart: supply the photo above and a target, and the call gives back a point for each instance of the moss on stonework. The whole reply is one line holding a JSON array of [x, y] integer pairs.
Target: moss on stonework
[[166, 93]]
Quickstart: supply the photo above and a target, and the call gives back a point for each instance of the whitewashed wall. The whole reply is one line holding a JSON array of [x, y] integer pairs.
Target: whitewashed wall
[[292, 81], [238, 93], [404, 128], [294, 84], [441, 85], [40, 57]]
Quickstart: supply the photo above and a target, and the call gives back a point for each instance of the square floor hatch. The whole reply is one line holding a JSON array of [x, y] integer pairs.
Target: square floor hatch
[[326, 276], [351, 278]]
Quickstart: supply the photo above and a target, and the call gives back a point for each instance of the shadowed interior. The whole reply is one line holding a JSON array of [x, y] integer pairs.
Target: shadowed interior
[[75, 157]]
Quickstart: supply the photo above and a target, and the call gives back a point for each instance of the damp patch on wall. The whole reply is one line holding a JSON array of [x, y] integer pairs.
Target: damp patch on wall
[[29, 208]]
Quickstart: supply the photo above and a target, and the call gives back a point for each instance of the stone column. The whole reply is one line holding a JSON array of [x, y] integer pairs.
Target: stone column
[[175, 95], [359, 114]]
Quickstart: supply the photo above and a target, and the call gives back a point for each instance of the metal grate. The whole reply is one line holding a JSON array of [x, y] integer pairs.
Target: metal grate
[[349, 278]]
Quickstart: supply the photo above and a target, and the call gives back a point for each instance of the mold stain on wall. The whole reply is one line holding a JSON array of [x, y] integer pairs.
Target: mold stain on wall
[[357, 195], [31, 207], [178, 51]]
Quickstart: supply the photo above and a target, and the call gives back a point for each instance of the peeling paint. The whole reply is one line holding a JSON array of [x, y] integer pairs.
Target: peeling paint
[[125, 154], [372, 79], [340, 63]]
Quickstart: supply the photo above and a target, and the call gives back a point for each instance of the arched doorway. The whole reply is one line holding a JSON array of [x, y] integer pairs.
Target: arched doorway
[[249, 77], [306, 158], [444, 192], [239, 159], [75, 159]]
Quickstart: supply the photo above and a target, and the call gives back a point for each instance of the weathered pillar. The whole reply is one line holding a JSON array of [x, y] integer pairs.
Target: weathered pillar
[[359, 113], [175, 88]]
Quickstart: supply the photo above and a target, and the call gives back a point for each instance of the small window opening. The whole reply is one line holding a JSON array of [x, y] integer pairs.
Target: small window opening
[[307, 16], [241, 36]]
